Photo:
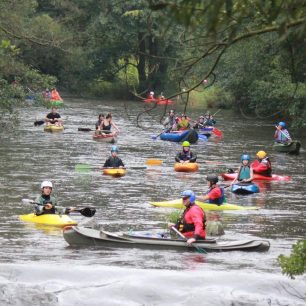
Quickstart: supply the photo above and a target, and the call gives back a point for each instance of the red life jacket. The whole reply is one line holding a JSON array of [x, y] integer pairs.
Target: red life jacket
[[262, 167]]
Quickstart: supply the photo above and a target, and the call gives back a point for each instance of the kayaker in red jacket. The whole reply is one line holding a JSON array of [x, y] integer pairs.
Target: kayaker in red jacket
[[215, 194], [262, 165], [192, 222]]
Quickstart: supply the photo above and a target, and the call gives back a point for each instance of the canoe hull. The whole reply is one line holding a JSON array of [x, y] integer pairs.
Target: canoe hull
[[189, 135], [49, 219], [258, 177], [187, 167], [242, 188], [206, 206], [115, 172], [292, 148], [104, 138], [81, 236], [53, 128]]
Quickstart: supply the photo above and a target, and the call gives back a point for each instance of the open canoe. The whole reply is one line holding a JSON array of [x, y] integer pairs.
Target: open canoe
[[291, 148], [49, 219], [159, 101], [186, 167], [206, 206], [189, 135], [258, 177], [104, 138], [53, 128], [244, 188], [115, 172], [82, 236]]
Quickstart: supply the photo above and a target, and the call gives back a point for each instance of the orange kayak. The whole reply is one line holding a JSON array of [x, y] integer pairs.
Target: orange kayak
[[186, 167]]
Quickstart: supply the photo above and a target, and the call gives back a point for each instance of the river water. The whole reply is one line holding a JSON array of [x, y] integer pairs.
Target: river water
[[37, 267]]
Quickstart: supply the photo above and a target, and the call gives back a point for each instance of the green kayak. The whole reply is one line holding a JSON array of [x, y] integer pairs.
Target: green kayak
[[206, 206], [291, 148]]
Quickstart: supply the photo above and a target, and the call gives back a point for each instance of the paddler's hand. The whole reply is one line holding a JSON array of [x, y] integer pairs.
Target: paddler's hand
[[48, 206], [170, 225], [190, 241]]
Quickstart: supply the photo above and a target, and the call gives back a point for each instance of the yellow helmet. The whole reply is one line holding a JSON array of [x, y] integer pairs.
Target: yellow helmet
[[186, 144], [261, 154]]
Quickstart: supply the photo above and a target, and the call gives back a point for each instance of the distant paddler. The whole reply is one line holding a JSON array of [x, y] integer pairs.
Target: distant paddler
[[281, 134], [215, 193], [54, 118]]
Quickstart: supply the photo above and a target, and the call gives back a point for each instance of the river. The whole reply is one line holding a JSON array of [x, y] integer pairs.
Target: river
[[37, 267]]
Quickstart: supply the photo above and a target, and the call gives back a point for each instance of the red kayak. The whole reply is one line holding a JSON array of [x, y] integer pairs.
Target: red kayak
[[159, 101], [258, 177]]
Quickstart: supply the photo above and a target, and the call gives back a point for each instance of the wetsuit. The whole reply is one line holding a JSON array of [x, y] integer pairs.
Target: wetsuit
[[43, 200], [53, 117], [113, 162], [186, 156]]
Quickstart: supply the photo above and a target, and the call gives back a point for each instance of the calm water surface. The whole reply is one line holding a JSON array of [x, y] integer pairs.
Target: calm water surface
[[37, 267]]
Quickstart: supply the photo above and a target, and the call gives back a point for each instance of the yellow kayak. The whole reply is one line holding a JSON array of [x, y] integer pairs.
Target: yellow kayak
[[116, 172], [206, 206], [49, 219], [53, 128], [186, 167]]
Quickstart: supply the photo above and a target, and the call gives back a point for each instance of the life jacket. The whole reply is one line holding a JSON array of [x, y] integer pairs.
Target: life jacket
[[282, 136], [219, 200], [244, 173], [189, 228], [262, 167], [185, 155]]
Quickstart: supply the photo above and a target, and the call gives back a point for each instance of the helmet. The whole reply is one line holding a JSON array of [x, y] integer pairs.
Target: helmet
[[46, 184], [151, 92], [245, 157], [212, 178], [186, 144], [282, 124], [114, 149], [261, 154], [190, 194]]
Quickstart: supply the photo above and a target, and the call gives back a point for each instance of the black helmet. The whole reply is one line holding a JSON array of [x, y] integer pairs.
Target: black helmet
[[212, 178]]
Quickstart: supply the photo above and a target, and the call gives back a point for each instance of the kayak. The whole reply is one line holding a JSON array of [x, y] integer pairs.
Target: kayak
[[159, 101], [258, 177], [49, 219], [105, 138], [206, 206], [83, 236], [53, 128], [189, 135], [244, 188], [56, 103], [115, 172], [291, 148], [186, 167]]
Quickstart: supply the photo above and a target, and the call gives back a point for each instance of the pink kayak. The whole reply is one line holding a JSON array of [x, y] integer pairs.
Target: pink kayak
[[258, 177]]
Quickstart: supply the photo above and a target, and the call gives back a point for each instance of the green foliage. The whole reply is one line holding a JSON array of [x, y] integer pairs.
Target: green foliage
[[295, 264], [174, 216]]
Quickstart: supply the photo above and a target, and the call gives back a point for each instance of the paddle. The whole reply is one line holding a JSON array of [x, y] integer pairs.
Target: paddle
[[200, 250], [86, 211], [80, 129], [289, 140], [154, 162], [39, 122], [86, 167]]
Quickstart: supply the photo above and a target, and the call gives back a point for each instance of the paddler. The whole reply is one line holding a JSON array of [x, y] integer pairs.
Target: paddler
[[200, 123], [54, 117], [209, 119], [281, 134], [114, 161], [186, 155], [47, 203], [262, 164], [170, 122], [183, 123], [215, 193], [192, 222], [99, 123], [245, 172], [55, 95]]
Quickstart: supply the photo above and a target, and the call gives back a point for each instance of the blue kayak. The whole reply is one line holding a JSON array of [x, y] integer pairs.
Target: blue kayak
[[245, 188], [189, 135]]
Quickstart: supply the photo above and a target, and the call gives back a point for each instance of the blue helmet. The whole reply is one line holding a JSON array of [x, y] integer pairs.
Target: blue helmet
[[114, 149], [282, 124], [245, 157], [190, 194]]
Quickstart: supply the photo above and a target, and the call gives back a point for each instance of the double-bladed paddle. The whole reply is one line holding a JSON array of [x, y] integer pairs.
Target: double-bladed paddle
[[39, 122], [86, 211]]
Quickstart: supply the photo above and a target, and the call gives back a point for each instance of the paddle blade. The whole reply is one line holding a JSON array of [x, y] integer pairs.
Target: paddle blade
[[39, 122], [87, 212], [154, 137], [80, 129], [154, 162], [203, 137], [217, 132], [81, 168]]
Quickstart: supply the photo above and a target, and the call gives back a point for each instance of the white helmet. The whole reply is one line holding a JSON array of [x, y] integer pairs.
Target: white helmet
[[151, 92], [46, 184]]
